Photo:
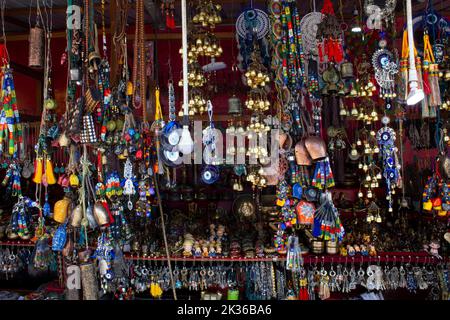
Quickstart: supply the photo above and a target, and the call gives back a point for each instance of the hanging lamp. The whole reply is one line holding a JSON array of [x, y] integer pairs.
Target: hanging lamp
[[186, 144], [415, 94]]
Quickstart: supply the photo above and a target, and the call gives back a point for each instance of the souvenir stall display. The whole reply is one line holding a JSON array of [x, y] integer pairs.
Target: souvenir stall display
[[326, 177]]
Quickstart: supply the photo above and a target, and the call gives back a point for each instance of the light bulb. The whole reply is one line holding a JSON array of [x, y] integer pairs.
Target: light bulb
[[186, 145], [356, 29]]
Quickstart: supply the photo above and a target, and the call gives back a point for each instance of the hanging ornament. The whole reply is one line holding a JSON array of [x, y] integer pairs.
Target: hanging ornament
[[327, 224], [294, 260], [330, 48], [129, 188], [309, 25], [168, 10], [386, 140], [385, 72], [10, 126], [252, 26], [293, 58], [431, 74], [105, 254], [377, 14]]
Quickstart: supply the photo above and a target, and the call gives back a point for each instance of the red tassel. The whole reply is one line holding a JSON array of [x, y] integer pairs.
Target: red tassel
[[303, 294], [328, 8], [320, 52], [171, 22], [426, 83], [111, 218], [3, 55]]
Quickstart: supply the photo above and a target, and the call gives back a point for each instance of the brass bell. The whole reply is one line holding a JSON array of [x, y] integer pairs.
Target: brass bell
[[346, 70], [76, 216], [100, 214], [234, 106], [36, 49], [94, 60]]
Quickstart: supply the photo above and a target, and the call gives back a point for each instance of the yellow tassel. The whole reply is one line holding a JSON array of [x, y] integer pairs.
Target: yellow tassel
[[73, 180], [129, 88], [49, 172], [38, 170]]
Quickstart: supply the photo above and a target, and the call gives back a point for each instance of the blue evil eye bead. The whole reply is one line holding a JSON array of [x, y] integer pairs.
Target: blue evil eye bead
[[391, 174], [46, 209], [297, 191], [390, 161], [283, 226], [385, 136], [210, 174], [131, 132], [109, 275]]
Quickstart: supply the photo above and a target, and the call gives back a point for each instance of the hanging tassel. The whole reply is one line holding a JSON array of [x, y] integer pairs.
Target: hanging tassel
[[49, 173], [38, 171], [436, 100], [11, 144], [424, 103], [403, 88]]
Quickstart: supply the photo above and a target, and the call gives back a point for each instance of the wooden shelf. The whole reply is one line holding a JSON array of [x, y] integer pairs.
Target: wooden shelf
[[406, 257], [17, 243]]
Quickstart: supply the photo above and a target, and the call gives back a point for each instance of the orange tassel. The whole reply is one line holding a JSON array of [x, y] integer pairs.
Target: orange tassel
[[38, 171], [51, 179]]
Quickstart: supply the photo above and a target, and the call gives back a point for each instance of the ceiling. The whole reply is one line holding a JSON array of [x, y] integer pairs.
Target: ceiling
[[20, 14]]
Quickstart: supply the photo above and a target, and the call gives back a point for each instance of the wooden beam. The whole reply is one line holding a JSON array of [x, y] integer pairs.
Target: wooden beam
[[17, 22], [62, 9], [161, 36]]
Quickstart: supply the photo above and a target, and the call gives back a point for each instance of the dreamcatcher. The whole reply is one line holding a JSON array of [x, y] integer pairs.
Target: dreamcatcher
[[252, 26]]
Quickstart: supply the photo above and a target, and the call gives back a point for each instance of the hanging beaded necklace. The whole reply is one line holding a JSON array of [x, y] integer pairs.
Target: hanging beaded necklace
[[139, 85], [103, 113], [10, 127], [293, 57]]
